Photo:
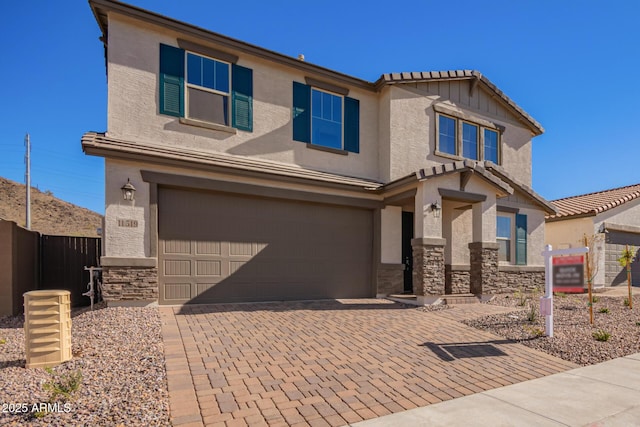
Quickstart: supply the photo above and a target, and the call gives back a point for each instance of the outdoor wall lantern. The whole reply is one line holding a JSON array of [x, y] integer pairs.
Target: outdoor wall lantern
[[435, 209], [128, 191]]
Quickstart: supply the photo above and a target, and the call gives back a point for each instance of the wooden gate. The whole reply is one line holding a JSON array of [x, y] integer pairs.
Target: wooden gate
[[63, 259]]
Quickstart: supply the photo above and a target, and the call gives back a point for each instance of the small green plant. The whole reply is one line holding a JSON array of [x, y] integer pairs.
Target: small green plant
[[3, 341], [601, 335], [535, 331], [62, 385], [626, 302], [560, 294], [595, 299], [604, 310], [532, 313], [521, 297]]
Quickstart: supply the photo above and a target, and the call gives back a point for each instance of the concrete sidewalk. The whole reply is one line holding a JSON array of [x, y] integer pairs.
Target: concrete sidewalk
[[606, 394]]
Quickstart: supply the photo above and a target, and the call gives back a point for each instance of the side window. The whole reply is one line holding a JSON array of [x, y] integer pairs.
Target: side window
[[511, 236], [325, 119], [213, 91], [491, 145], [503, 237]]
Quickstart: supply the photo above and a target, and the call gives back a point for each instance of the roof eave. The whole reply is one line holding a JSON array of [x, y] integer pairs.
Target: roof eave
[[556, 218], [101, 8]]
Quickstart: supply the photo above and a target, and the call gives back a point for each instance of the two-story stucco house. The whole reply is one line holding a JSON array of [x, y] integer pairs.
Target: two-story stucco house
[[259, 176]]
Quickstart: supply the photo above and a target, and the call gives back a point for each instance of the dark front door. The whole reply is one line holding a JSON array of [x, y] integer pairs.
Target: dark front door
[[407, 251]]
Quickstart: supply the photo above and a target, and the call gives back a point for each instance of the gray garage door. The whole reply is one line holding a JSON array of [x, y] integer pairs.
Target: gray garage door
[[216, 247]]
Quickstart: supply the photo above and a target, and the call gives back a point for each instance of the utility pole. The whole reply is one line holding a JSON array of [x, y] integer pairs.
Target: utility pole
[[27, 159]]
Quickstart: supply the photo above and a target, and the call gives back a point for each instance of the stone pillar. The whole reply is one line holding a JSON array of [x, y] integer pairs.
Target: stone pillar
[[428, 268], [484, 267]]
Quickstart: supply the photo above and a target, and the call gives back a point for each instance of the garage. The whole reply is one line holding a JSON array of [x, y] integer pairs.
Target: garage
[[216, 247]]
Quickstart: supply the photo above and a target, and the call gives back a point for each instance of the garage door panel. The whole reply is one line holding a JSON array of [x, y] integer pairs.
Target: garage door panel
[[255, 249]]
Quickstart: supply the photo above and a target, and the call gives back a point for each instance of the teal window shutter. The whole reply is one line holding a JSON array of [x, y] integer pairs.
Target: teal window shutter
[[242, 98], [351, 125], [171, 81], [521, 239], [301, 112]]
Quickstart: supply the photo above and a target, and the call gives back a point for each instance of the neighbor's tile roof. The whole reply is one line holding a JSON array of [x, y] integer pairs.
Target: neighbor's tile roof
[[594, 203]]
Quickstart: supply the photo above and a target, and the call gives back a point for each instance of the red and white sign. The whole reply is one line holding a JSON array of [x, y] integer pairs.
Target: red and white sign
[[568, 274]]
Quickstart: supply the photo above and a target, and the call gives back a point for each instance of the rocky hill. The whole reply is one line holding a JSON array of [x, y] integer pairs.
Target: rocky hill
[[49, 215]]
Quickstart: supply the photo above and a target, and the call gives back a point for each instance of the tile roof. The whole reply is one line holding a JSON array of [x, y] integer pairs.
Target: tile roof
[[100, 144], [507, 177], [462, 166], [428, 76], [594, 203]]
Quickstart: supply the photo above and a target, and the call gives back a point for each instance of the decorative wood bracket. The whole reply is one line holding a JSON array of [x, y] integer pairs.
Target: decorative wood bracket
[[464, 179]]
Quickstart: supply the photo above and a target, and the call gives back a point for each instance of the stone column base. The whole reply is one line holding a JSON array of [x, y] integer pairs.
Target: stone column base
[[130, 286], [428, 266], [457, 279], [390, 279], [483, 267]]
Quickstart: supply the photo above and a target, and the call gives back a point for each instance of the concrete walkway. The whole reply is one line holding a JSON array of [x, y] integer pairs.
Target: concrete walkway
[[606, 394]]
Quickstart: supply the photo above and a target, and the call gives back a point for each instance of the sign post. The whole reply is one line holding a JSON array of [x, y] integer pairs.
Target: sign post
[[567, 276]]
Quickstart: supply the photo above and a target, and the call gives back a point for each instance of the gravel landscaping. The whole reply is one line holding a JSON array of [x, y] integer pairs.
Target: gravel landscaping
[[118, 352], [573, 338]]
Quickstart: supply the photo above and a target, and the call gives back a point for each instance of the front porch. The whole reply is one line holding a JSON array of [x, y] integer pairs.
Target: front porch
[[439, 239]]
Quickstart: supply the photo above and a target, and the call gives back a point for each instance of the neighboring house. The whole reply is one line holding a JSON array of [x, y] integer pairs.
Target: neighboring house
[[611, 218], [263, 177]]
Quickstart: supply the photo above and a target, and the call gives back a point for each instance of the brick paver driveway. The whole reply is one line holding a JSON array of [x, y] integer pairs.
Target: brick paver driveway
[[330, 362]]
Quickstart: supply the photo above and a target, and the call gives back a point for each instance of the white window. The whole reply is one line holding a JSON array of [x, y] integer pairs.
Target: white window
[[326, 119], [504, 234], [208, 89]]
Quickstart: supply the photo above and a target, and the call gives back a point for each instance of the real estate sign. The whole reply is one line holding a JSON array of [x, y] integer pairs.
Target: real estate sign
[[568, 274]]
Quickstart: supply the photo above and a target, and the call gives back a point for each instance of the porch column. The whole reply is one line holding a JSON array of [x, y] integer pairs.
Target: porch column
[[483, 251], [428, 245], [428, 268], [483, 267]]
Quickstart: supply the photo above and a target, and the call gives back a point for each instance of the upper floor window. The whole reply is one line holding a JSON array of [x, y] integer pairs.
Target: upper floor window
[[208, 83], [205, 90], [462, 138], [325, 119], [491, 145], [469, 141], [447, 135]]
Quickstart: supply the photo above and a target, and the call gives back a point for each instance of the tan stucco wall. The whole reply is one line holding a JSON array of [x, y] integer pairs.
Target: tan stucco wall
[[133, 108], [391, 235], [626, 214], [457, 229], [413, 134], [125, 242], [568, 233]]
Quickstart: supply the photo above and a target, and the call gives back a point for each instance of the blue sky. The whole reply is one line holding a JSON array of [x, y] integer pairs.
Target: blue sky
[[569, 64]]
